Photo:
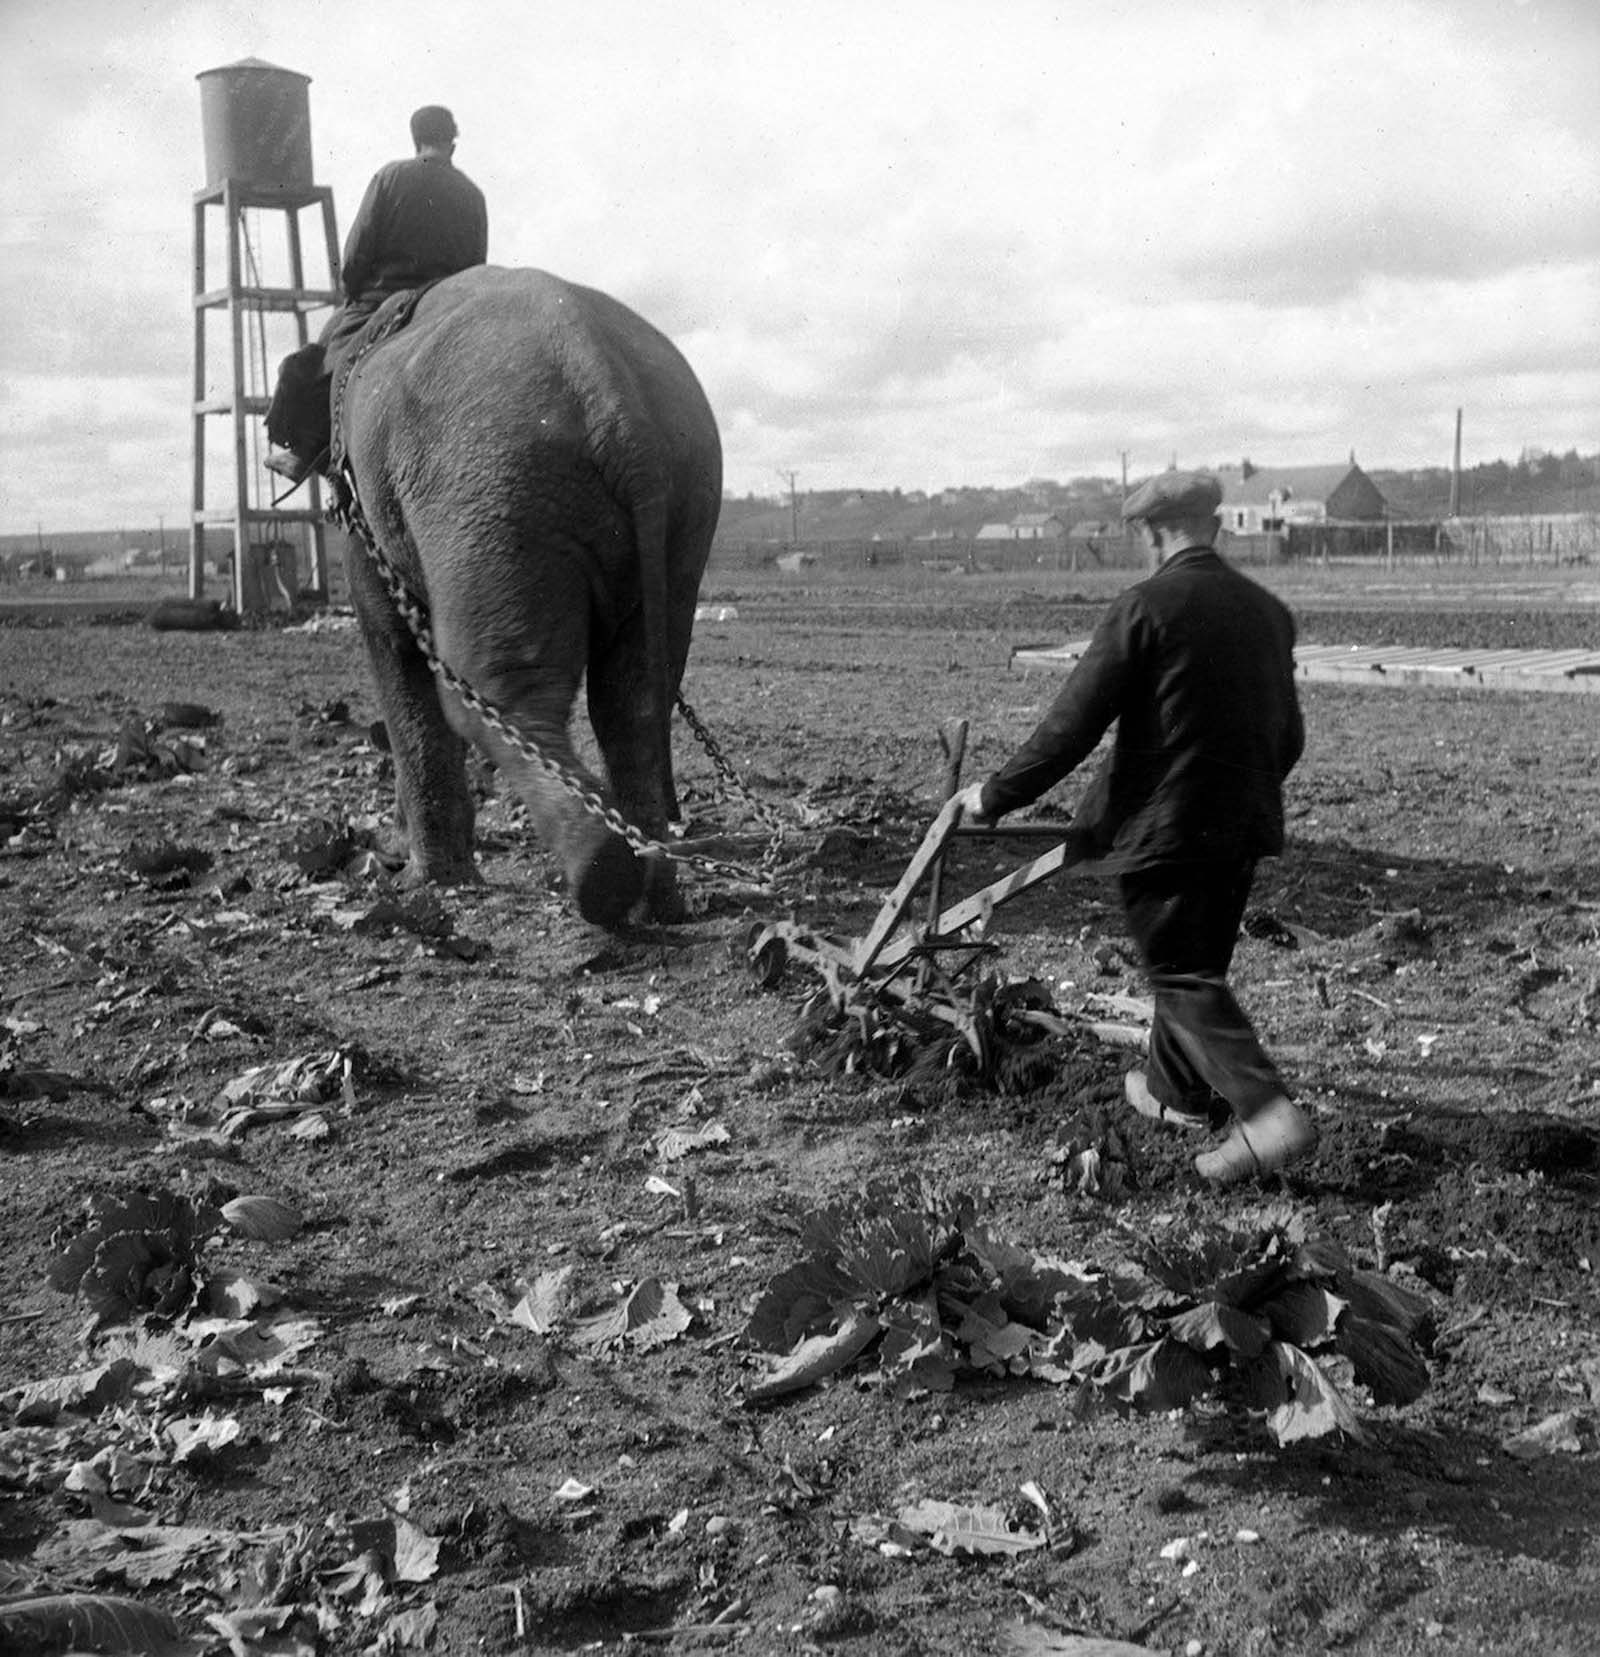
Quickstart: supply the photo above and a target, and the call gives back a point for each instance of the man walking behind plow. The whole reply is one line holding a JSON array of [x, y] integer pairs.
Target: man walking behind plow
[[1195, 665]]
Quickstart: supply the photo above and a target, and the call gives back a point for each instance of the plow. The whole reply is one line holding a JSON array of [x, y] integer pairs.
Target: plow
[[920, 993]]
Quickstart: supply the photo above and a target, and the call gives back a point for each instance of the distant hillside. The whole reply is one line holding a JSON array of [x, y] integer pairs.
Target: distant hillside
[[74, 551], [1535, 484], [911, 515], [1538, 483]]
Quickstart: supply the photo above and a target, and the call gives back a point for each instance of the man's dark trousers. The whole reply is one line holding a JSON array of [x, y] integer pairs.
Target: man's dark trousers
[[1185, 920]]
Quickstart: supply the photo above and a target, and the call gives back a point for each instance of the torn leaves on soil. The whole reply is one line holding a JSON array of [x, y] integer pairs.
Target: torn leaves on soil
[[496, 1126]]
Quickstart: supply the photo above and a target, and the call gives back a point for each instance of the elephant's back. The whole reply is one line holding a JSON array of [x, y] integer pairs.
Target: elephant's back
[[552, 355], [544, 376], [533, 302]]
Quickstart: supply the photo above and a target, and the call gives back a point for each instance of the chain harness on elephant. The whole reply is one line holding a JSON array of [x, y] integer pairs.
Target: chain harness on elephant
[[347, 512]]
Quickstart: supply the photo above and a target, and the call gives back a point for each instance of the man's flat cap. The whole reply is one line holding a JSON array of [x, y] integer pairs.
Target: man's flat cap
[[1174, 495]]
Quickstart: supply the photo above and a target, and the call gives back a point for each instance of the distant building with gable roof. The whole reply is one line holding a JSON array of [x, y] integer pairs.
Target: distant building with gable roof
[[1025, 526], [1259, 500]]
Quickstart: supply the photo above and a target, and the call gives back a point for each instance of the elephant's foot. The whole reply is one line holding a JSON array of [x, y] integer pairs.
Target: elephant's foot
[[606, 881], [663, 902], [438, 871], [394, 847]]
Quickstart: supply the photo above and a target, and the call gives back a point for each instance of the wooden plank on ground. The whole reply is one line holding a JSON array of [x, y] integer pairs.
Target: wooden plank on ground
[[1362, 664]]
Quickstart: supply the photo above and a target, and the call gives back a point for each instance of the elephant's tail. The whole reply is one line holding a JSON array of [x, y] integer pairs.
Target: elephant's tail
[[653, 550]]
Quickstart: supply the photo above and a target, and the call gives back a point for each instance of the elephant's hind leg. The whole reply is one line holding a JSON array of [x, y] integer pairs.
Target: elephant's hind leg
[[633, 729], [604, 877], [433, 803], [523, 649]]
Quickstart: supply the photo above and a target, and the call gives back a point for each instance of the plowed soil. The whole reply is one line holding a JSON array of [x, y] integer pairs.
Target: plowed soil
[[1423, 960]]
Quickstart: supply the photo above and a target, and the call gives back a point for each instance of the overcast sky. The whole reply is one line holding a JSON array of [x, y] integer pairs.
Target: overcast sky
[[903, 242]]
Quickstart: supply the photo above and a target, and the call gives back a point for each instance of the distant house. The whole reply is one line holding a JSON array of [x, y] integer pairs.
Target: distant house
[[1026, 526], [1258, 500], [1092, 536], [112, 563]]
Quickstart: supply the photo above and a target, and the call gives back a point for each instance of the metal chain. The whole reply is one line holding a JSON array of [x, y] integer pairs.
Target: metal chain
[[352, 517], [777, 829], [373, 333]]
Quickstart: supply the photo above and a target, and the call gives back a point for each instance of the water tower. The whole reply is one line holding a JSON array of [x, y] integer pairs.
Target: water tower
[[256, 124]]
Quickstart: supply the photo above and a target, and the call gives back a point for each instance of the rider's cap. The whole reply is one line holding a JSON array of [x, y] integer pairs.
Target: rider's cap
[[1171, 495]]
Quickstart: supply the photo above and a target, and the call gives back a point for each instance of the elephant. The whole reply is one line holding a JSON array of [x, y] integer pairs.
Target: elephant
[[541, 468]]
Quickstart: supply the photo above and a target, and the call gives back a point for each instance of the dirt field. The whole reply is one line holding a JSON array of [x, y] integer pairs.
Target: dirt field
[[500, 1400]]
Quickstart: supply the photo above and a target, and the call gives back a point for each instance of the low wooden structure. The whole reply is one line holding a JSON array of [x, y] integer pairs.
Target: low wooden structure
[[1567, 671]]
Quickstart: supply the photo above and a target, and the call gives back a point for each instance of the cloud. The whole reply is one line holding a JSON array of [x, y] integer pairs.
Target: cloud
[[908, 242], [91, 453]]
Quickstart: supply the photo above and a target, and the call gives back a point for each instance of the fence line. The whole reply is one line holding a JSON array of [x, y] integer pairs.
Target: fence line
[[948, 557], [1538, 538], [1534, 538]]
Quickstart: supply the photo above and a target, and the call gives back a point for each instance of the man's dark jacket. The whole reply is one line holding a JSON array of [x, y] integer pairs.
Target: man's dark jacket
[[419, 220], [1196, 666]]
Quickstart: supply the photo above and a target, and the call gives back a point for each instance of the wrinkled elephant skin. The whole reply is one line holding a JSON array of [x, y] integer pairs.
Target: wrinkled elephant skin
[[542, 468]]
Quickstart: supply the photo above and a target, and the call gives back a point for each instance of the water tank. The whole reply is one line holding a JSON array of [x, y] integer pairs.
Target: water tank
[[256, 121]]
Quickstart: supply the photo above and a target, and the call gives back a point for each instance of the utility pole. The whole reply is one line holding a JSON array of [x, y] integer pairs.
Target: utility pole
[[794, 506], [1127, 539], [1455, 473]]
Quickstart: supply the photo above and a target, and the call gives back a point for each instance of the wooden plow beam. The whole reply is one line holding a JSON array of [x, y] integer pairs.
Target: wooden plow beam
[[906, 967], [919, 975]]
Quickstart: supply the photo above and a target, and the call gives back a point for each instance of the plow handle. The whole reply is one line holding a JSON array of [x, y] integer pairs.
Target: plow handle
[[894, 906], [953, 739]]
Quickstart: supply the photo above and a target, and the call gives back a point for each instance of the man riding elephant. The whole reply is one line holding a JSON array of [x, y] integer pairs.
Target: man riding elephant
[[420, 219], [540, 471]]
